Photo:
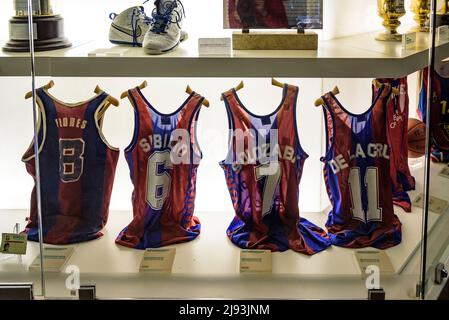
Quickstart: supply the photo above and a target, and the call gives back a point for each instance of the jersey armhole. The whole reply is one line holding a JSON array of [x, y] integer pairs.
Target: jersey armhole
[[231, 128], [41, 124], [305, 155], [99, 124], [197, 153], [133, 142], [329, 132]]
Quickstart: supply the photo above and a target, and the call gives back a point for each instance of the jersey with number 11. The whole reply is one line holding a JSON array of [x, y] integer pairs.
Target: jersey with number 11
[[357, 175], [163, 159]]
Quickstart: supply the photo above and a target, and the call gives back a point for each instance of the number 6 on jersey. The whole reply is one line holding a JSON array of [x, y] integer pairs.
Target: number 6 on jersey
[[158, 179]]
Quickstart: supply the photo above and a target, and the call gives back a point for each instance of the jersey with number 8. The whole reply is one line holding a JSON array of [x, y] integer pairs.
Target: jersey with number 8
[[357, 175], [77, 168], [163, 159]]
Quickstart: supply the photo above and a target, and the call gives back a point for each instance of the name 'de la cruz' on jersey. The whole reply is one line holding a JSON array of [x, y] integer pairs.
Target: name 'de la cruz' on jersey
[[263, 170], [77, 169], [397, 134], [163, 159], [440, 109], [357, 175]]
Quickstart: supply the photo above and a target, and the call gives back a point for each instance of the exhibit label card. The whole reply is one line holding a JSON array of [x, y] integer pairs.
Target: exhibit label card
[[54, 259], [409, 41], [369, 258], [443, 34], [436, 205], [444, 173], [158, 260], [13, 243], [255, 261]]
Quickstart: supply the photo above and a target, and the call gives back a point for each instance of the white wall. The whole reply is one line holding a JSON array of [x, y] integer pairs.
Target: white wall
[[89, 20]]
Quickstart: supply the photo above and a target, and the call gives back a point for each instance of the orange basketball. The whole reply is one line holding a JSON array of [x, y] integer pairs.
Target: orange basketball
[[416, 138]]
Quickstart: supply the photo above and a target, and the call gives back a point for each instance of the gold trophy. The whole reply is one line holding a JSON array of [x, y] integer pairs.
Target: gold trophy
[[442, 13], [48, 28], [421, 9], [390, 11]]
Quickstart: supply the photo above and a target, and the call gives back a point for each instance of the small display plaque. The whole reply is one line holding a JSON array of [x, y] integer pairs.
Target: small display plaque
[[436, 205], [13, 243], [158, 260], [368, 258], [54, 259], [255, 261]]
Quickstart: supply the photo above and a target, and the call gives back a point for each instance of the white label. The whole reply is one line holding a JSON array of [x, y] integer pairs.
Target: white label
[[369, 258], [409, 41], [19, 31], [255, 261], [116, 51], [158, 260], [214, 47], [443, 34], [444, 173], [436, 205], [54, 259]]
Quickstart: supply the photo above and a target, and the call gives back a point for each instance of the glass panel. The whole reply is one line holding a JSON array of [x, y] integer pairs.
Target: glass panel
[[435, 95], [19, 258], [96, 220]]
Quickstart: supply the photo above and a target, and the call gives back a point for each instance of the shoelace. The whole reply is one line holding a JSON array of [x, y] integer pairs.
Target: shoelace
[[138, 15], [161, 19]]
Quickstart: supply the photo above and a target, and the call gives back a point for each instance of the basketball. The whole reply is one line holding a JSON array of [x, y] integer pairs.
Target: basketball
[[416, 138]]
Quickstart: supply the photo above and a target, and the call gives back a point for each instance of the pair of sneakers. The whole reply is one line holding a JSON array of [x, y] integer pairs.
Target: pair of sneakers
[[157, 34]]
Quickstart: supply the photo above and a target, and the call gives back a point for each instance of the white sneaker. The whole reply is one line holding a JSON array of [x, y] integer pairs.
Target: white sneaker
[[165, 32], [129, 27]]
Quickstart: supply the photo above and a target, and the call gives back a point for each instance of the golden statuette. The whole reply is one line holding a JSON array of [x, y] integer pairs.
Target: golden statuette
[[421, 9], [390, 11]]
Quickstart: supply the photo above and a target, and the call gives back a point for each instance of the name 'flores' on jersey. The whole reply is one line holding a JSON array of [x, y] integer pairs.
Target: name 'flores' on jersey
[[163, 159]]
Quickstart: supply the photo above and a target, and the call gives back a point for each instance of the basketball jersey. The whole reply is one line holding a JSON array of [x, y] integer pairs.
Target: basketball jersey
[[357, 175], [397, 134], [263, 170], [440, 111], [77, 169], [163, 159]]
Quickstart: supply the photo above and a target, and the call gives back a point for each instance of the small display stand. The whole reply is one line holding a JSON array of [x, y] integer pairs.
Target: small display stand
[[274, 40]]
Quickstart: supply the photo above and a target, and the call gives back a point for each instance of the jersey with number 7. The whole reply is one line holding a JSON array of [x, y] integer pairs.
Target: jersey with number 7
[[357, 175], [163, 159], [77, 169]]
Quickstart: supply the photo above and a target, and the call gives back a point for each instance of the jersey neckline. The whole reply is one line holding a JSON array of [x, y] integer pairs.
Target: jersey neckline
[[379, 94], [73, 105], [164, 114], [284, 97]]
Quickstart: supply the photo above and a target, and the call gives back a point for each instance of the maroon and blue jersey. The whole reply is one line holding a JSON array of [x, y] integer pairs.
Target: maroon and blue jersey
[[163, 159], [357, 175], [77, 169], [397, 133], [263, 170], [440, 110]]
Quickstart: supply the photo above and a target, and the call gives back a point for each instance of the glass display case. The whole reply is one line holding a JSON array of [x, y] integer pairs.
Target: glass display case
[[134, 186]]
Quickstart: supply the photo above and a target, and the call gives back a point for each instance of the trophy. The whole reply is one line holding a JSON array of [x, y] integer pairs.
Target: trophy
[[421, 9], [443, 13], [48, 28], [390, 11]]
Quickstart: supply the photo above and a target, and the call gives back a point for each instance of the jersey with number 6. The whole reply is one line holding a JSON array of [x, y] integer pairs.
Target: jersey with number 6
[[263, 171], [77, 169], [357, 175], [163, 159]]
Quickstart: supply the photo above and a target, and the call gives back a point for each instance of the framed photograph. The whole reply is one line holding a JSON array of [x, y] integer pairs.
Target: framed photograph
[[273, 14]]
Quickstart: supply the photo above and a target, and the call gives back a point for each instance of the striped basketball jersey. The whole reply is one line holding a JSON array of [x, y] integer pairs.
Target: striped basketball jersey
[[77, 169], [263, 170], [357, 175], [440, 110], [397, 134], [163, 159]]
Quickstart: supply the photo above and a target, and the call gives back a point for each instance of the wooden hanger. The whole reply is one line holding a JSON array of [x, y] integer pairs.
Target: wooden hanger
[[240, 86], [205, 101], [142, 86], [47, 87], [110, 99], [319, 102], [276, 83], [377, 84]]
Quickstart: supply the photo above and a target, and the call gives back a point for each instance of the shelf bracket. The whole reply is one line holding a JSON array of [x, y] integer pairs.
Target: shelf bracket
[[376, 294], [87, 292]]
